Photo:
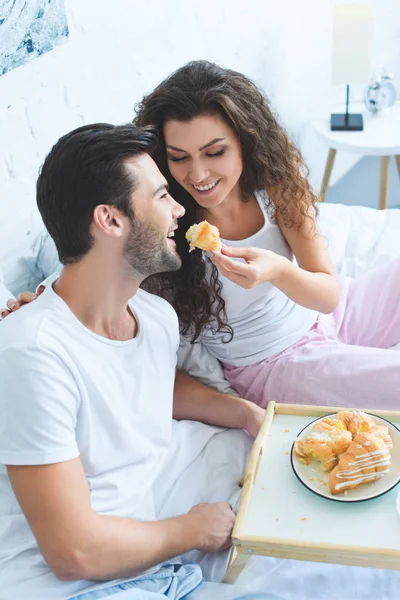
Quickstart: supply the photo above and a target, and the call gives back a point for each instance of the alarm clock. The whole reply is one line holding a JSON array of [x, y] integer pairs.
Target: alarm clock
[[380, 94]]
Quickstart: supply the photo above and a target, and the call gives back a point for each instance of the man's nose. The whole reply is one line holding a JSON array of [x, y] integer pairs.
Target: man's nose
[[178, 210]]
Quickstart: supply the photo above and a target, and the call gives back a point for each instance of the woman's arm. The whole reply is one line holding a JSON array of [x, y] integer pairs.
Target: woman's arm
[[311, 283]]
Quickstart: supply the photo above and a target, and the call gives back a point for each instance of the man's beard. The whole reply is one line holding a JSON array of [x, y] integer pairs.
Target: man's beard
[[146, 251]]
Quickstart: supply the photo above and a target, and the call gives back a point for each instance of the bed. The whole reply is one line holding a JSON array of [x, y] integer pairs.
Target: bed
[[206, 463]]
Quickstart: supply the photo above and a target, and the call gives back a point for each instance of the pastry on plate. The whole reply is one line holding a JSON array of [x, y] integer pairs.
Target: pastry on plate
[[331, 436], [349, 444], [204, 236], [366, 460], [356, 421], [382, 431], [324, 444]]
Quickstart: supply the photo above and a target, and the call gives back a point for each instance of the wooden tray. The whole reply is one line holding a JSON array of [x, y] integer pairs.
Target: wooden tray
[[279, 517]]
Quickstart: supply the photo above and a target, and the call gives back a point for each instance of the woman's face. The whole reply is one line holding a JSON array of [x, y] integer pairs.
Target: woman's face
[[205, 158]]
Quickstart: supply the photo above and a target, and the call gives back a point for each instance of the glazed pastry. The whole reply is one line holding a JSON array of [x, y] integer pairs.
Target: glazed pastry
[[352, 445], [204, 236], [334, 422], [356, 421], [366, 460], [324, 444], [383, 432]]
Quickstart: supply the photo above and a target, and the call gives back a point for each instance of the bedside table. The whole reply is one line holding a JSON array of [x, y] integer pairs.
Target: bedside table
[[381, 137]]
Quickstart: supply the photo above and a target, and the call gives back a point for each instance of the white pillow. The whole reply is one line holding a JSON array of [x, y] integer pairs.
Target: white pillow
[[42, 258], [195, 360]]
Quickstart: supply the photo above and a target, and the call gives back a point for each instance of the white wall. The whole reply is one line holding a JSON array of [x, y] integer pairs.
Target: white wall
[[119, 50]]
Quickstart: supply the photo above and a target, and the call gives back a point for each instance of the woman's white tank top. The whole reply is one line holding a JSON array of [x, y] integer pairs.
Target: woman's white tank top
[[264, 320]]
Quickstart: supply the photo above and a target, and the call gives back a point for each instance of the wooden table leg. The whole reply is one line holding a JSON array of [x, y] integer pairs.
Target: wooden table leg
[[237, 563], [397, 157], [384, 182], [327, 174]]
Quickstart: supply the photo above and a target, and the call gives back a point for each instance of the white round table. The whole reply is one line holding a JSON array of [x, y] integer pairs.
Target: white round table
[[381, 137]]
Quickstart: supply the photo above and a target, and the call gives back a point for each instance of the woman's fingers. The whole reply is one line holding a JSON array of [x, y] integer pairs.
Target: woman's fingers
[[14, 304], [25, 298], [11, 304], [246, 253], [230, 265], [234, 277]]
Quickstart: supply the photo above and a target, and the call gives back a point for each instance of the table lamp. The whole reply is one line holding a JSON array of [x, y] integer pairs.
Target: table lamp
[[351, 56]]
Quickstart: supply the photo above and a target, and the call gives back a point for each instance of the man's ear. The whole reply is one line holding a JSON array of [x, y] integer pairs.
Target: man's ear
[[109, 220]]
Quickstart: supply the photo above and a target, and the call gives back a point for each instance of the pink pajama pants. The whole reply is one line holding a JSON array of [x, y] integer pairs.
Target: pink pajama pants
[[346, 359]]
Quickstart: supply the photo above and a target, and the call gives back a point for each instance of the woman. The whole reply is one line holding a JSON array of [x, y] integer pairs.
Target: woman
[[269, 306]]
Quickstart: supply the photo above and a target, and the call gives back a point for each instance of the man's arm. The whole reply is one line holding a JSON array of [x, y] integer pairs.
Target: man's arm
[[195, 401], [77, 543], [39, 407]]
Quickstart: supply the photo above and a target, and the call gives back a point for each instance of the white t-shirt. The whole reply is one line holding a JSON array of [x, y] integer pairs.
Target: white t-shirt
[[264, 320], [67, 392]]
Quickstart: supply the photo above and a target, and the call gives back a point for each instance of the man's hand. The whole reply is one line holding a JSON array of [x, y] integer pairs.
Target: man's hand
[[215, 524], [22, 299]]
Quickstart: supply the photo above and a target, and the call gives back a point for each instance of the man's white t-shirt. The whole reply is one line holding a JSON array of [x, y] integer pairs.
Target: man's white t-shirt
[[67, 392]]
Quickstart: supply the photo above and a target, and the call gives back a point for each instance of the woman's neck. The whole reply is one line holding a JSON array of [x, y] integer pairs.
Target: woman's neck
[[237, 219]]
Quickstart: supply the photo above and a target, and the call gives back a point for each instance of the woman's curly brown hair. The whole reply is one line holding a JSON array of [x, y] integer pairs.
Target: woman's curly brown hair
[[271, 162]]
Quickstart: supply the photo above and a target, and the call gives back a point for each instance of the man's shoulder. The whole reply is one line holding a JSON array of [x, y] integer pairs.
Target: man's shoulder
[[154, 304], [28, 326]]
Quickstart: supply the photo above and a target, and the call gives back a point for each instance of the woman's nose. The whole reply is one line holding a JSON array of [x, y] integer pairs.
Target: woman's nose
[[198, 173]]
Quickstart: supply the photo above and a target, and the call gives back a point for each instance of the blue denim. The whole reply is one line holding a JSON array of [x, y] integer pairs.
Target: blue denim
[[175, 582]]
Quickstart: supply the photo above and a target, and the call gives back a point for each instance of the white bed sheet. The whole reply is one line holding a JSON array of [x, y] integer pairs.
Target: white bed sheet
[[206, 463]]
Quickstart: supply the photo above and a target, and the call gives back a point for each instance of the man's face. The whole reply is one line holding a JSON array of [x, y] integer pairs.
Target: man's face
[[149, 249]]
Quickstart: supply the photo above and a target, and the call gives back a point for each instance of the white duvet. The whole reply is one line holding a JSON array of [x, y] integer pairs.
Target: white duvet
[[206, 463]]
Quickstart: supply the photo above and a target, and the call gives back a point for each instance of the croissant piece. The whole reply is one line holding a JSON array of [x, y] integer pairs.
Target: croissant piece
[[204, 236], [382, 431], [334, 422], [366, 460], [356, 421], [323, 445], [351, 446]]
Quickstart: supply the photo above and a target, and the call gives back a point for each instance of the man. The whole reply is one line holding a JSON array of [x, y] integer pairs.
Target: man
[[88, 391]]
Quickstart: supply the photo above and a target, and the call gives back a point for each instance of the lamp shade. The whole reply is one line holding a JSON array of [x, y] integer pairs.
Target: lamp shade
[[352, 43]]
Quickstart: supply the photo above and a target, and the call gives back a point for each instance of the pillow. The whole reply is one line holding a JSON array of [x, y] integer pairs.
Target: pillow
[[195, 360], [42, 258]]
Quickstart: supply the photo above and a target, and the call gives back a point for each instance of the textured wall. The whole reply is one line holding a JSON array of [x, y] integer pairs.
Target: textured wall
[[119, 50]]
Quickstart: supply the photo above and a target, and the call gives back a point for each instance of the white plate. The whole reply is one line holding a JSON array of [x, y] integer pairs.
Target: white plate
[[314, 479]]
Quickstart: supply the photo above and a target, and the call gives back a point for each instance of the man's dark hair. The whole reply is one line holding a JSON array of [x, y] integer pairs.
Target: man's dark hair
[[86, 168]]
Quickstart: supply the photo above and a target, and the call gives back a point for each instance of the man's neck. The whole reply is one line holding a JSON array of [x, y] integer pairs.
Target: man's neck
[[97, 291]]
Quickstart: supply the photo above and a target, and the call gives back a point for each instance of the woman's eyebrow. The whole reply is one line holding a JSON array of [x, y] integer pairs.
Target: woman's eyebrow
[[214, 141]]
